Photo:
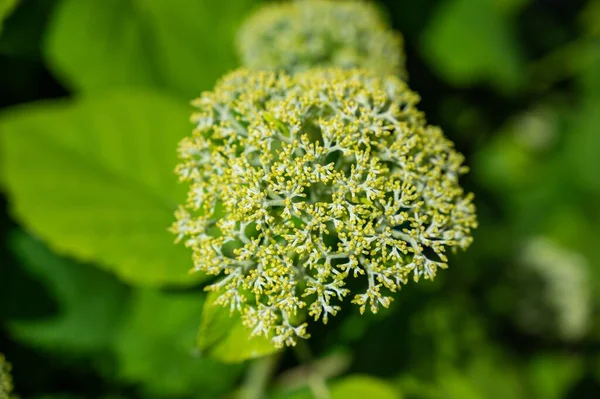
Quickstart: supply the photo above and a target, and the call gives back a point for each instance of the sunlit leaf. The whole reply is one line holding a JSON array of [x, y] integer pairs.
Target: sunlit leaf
[[94, 179], [181, 45]]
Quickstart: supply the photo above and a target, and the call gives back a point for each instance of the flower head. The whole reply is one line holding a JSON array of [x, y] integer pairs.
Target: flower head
[[6, 385], [299, 35], [299, 183]]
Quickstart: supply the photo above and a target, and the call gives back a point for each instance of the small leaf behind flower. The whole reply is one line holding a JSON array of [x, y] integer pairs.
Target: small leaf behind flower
[[222, 335]]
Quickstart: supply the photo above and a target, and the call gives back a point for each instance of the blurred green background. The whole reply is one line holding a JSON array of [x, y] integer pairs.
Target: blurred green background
[[96, 302]]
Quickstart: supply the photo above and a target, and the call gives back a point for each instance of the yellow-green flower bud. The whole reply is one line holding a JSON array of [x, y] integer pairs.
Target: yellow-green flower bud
[[299, 35], [301, 182]]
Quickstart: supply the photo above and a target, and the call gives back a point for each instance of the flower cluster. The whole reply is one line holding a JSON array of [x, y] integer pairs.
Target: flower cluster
[[6, 385], [556, 296], [298, 183], [299, 35]]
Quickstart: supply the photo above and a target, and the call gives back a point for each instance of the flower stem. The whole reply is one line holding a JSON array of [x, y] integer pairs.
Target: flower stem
[[258, 377], [316, 382]]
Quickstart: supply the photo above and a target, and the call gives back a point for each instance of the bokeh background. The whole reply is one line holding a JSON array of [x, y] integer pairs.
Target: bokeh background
[[95, 301]]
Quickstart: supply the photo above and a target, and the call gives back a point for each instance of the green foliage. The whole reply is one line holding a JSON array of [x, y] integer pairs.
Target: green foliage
[[469, 42], [354, 387], [179, 45], [222, 335], [583, 140], [490, 376], [22, 32], [155, 348], [359, 386], [94, 179], [551, 376], [6, 7], [89, 302]]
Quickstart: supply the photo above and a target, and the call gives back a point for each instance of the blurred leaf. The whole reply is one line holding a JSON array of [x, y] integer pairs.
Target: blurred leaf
[[90, 301], [494, 378], [223, 337], [413, 387], [485, 375], [519, 154], [583, 144], [509, 6], [589, 18], [583, 140], [6, 7], [58, 396], [552, 376], [23, 33], [457, 386], [93, 178], [155, 348], [182, 45], [450, 329], [353, 387], [362, 386], [468, 42]]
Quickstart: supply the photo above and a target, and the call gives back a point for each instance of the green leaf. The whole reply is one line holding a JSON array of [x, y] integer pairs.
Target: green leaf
[[222, 335], [6, 7], [468, 42], [354, 387], [509, 6], [94, 179], [182, 45], [362, 386], [493, 377], [90, 301], [155, 348], [582, 140], [23, 33], [516, 156], [553, 375]]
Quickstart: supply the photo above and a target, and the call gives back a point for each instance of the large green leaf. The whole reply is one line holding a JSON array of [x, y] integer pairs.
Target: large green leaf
[[89, 299], [469, 42], [182, 45], [222, 335], [155, 348], [94, 179]]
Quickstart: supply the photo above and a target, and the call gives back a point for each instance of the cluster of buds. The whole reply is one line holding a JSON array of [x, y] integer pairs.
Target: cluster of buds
[[299, 183], [300, 35]]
